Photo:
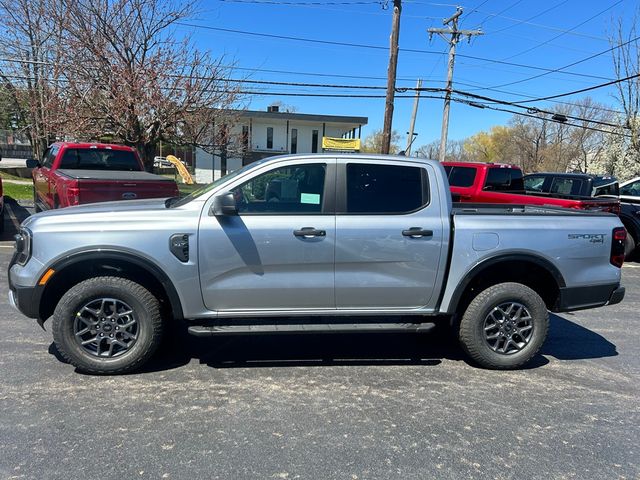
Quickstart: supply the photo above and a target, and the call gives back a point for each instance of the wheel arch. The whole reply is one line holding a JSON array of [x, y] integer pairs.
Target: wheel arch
[[531, 270], [87, 264]]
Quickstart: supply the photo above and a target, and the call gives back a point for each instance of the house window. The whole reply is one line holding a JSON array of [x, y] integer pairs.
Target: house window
[[294, 140], [245, 138], [269, 137], [314, 141]]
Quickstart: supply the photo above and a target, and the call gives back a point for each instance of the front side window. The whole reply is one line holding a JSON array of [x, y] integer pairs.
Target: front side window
[[379, 189], [49, 156], [632, 189], [286, 190]]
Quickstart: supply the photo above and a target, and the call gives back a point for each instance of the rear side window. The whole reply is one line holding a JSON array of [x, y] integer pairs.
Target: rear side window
[[99, 159], [567, 186], [504, 180], [534, 183], [380, 189], [461, 176]]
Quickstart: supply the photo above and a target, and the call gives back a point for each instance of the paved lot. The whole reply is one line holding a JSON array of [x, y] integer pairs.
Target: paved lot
[[328, 407]]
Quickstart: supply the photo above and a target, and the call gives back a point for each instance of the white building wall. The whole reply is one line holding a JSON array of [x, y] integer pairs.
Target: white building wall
[[208, 165]]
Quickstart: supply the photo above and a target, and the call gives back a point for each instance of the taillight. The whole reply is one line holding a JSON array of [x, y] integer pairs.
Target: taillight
[[73, 196], [617, 246]]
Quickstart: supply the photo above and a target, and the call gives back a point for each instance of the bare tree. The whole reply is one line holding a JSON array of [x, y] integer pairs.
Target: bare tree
[[132, 78], [454, 152], [626, 63], [32, 65]]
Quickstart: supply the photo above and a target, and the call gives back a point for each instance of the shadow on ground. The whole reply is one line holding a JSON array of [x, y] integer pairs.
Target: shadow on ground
[[566, 341], [20, 213]]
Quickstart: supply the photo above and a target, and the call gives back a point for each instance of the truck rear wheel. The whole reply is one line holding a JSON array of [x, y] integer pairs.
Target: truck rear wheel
[[629, 247], [107, 325], [504, 326]]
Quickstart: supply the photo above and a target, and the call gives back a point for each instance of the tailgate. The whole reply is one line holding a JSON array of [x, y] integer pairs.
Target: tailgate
[[105, 186]]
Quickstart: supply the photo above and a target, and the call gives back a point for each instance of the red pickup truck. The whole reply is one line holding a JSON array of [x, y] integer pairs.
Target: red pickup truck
[[79, 173], [502, 183]]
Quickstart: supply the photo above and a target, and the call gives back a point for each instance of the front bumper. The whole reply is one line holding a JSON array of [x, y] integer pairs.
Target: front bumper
[[26, 300], [580, 298]]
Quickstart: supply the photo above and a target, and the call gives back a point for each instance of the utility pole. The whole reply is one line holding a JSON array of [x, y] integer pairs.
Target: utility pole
[[452, 36], [391, 76], [407, 151]]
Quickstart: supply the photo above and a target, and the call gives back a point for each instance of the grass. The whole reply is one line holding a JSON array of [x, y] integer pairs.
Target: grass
[[8, 176], [18, 191]]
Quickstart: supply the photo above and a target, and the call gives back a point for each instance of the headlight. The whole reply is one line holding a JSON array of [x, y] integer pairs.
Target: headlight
[[22, 246]]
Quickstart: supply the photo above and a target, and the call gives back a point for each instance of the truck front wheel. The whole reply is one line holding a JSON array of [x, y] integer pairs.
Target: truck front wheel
[[107, 325], [504, 326]]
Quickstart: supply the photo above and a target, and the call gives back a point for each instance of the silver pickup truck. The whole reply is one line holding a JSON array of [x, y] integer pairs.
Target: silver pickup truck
[[307, 244]]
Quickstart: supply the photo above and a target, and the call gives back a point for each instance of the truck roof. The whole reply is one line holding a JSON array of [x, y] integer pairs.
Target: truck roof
[[480, 164], [85, 145]]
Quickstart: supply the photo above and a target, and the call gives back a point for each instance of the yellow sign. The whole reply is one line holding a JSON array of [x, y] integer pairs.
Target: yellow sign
[[182, 170], [332, 143]]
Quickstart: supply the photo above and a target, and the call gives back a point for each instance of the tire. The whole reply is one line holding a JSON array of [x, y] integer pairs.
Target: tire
[[124, 317], [629, 247], [508, 344]]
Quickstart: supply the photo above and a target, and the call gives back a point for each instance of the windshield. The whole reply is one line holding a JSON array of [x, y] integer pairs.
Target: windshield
[[175, 202]]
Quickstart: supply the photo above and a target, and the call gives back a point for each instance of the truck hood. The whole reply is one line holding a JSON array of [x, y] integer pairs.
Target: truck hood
[[121, 207]]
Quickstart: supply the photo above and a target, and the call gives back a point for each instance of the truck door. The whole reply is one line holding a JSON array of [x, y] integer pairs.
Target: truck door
[[389, 235], [42, 175], [278, 252]]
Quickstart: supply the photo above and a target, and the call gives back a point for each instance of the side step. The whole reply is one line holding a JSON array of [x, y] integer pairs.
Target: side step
[[209, 331]]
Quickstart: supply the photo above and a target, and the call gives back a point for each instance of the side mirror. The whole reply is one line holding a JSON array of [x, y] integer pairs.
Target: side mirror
[[224, 204], [33, 163]]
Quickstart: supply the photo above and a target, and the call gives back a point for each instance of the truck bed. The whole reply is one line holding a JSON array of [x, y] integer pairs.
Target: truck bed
[[513, 209], [113, 175]]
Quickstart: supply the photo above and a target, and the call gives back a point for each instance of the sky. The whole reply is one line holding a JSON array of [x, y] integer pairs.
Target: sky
[[529, 36]]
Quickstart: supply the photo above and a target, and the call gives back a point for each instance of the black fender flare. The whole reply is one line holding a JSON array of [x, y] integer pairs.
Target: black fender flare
[[141, 262], [508, 257]]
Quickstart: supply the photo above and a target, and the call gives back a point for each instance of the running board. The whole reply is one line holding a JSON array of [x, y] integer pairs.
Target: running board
[[209, 331]]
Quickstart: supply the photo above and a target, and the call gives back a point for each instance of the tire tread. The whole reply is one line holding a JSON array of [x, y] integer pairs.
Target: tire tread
[[149, 302]]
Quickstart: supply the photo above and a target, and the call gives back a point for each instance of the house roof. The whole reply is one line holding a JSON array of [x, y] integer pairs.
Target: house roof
[[304, 117]]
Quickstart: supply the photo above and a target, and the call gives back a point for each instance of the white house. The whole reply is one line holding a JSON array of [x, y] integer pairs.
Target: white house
[[260, 134]]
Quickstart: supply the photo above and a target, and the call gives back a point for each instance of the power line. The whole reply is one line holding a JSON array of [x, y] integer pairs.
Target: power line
[[547, 27], [492, 16], [582, 90], [564, 33], [381, 48], [520, 22], [530, 115], [615, 47]]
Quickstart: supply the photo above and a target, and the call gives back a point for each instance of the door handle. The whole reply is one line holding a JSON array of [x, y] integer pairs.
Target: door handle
[[308, 232], [416, 232]]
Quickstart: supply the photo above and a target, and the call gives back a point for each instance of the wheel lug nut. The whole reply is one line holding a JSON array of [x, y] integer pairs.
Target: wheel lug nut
[[111, 335]]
